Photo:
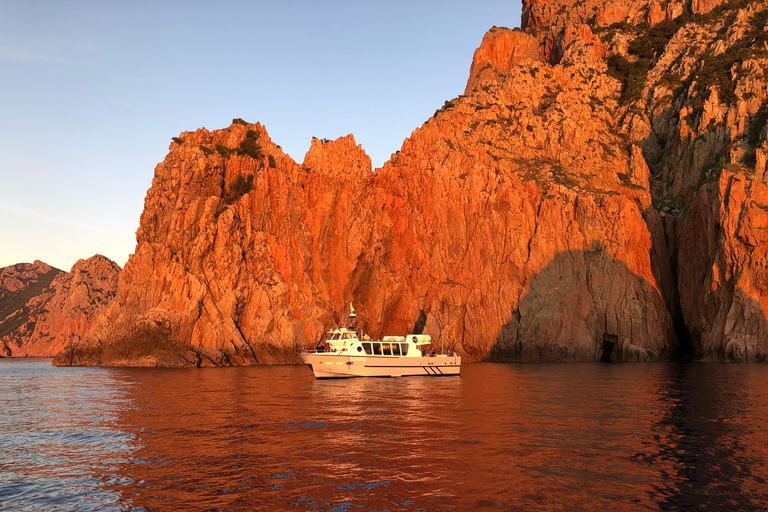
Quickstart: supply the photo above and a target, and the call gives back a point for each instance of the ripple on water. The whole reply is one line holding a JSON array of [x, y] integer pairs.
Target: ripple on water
[[528, 437]]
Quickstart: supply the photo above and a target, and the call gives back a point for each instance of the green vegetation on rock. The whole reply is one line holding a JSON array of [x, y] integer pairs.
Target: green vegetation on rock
[[224, 151], [241, 186], [250, 146]]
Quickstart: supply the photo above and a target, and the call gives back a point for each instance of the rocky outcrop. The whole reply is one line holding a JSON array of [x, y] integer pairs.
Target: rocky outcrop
[[547, 14], [597, 191], [694, 102], [20, 284], [723, 261], [243, 256], [45, 309], [503, 49], [699, 118], [529, 237]]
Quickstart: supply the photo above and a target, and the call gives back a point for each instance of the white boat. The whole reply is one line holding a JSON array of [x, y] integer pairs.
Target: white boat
[[348, 353]]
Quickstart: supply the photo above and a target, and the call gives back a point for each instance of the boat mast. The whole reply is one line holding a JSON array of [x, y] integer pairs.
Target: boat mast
[[352, 317]]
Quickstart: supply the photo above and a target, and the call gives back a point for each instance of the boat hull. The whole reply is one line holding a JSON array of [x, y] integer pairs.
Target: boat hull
[[327, 365]]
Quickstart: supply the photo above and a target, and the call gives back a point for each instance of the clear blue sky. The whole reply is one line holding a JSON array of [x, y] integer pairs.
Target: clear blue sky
[[92, 92]]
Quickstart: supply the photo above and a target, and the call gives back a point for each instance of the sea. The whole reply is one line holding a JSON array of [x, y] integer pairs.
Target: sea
[[528, 437]]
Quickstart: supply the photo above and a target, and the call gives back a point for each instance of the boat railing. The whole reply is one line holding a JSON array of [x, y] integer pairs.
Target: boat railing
[[330, 350], [326, 350]]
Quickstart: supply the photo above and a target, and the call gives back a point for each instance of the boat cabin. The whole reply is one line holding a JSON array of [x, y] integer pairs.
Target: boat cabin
[[347, 342]]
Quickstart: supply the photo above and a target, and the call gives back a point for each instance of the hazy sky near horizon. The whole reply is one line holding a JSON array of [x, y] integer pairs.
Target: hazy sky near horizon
[[92, 93]]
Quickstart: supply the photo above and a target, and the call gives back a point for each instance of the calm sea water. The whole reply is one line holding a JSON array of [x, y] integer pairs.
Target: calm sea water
[[502, 437]]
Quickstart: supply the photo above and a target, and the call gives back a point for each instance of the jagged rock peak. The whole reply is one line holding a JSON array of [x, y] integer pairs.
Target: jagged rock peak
[[340, 155], [502, 49], [55, 308], [15, 278], [99, 264], [538, 14]]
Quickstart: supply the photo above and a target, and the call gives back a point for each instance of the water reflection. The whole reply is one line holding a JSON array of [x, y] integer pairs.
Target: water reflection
[[705, 444], [507, 437]]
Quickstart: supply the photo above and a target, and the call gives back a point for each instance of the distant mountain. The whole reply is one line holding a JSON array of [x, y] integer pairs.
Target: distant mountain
[[599, 190], [43, 309]]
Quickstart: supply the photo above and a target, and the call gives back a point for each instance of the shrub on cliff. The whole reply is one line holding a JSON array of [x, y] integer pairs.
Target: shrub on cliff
[[651, 44], [241, 186], [630, 74], [718, 70], [647, 48], [272, 163], [224, 151], [250, 146]]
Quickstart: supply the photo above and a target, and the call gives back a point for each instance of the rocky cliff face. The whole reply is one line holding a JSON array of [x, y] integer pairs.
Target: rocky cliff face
[[693, 104], [19, 285], [243, 255], [700, 118], [548, 14], [599, 184], [44, 309]]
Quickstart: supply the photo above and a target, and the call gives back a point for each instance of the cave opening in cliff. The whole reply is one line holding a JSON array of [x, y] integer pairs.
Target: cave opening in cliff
[[688, 346], [609, 343], [421, 322]]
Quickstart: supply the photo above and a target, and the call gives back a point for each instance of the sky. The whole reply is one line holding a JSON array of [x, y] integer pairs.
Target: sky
[[92, 92]]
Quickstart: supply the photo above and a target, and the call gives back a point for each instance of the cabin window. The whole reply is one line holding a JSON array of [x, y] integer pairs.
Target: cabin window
[[346, 336], [333, 337], [385, 349], [367, 348], [359, 348], [404, 348], [395, 349], [377, 349]]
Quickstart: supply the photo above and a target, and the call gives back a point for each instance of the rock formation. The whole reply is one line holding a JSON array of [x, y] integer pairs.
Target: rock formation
[[43, 309], [597, 191], [20, 284]]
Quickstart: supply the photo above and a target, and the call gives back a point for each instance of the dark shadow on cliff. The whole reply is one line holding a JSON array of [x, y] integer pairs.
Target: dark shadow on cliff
[[587, 306], [664, 261], [149, 344], [747, 338]]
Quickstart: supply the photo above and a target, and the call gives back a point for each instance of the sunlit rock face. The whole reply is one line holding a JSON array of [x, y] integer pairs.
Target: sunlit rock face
[[599, 184], [44, 309], [243, 255]]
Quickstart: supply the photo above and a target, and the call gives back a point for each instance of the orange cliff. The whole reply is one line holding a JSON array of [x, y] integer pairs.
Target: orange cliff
[[45, 309], [559, 203], [474, 223]]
